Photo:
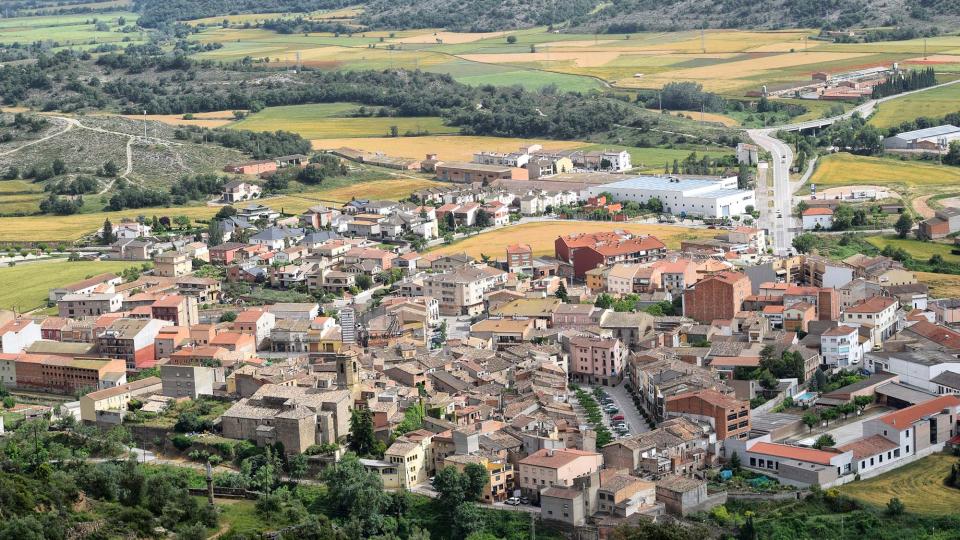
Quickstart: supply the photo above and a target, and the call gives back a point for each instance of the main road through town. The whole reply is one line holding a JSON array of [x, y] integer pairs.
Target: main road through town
[[776, 204]]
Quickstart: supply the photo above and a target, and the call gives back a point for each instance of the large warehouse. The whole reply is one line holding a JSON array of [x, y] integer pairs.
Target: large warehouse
[[706, 197], [931, 138]]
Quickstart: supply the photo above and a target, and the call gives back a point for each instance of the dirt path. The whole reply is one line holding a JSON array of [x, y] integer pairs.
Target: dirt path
[[921, 207], [70, 126]]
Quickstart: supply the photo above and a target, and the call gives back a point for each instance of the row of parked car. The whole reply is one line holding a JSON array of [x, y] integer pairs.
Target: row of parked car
[[617, 421]]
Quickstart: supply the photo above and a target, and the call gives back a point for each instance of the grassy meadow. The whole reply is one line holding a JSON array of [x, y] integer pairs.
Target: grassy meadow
[[919, 485], [541, 235], [932, 103], [334, 120], [76, 29], [917, 249], [34, 280]]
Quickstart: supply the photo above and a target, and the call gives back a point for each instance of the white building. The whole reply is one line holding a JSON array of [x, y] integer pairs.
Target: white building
[[812, 217], [609, 160], [878, 313], [705, 197], [17, 335], [915, 368], [932, 138], [841, 347]]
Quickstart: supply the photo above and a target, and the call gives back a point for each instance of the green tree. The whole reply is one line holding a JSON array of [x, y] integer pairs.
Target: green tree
[[895, 507], [604, 301], [562, 292], [804, 243], [810, 419], [476, 477], [297, 467], [362, 439], [182, 221], [511, 39], [106, 233], [352, 490], [214, 233], [903, 225], [824, 441], [735, 463], [364, 281]]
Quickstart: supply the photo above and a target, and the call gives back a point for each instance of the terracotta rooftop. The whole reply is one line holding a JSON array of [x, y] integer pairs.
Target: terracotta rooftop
[[875, 304], [905, 418], [868, 446], [809, 455]]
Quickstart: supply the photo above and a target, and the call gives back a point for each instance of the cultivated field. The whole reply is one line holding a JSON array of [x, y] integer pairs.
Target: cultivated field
[[332, 120], [67, 29], [727, 61], [918, 485], [391, 190], [34, 280], [941, 285], [932, 103], [454, 148], [541, 236], [213, 119], [844, 169]]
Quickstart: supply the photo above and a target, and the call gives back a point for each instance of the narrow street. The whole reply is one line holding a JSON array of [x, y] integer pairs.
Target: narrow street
[[624, 402]]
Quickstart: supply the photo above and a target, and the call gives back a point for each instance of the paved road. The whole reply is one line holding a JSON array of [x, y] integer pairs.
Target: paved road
[[775, 212], [624, 402], [776, 218]]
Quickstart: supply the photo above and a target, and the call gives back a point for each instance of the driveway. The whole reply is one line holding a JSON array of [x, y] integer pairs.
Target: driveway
[[530, 509], [624, 402]]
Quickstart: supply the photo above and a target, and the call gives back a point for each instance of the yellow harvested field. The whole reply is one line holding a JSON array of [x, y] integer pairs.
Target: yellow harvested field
[[581, 59], [213, 119], [941, 285], [724, 40], [918, 485], [934, 59], [708, 117], [541, 236], [575, 43], [449, 38], [69, 228], [844, 169], [731, 75], [449, 147]]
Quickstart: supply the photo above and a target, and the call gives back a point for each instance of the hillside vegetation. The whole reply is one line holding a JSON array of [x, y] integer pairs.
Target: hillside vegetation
[[613, 16]]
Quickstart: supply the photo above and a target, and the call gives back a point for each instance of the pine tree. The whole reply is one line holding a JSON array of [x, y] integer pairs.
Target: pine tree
[[214, 233], [562, 292], [106, 235]]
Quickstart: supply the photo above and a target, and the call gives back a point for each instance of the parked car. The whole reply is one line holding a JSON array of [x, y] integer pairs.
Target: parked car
[[611, 410], [524, 500], [513, 501], [619, 417]]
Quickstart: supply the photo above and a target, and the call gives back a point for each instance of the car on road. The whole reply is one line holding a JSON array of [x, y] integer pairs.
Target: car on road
[[513, 501]]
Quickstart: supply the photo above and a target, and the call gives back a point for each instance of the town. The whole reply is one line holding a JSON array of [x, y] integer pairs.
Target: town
[[612, 380], [486, 270]]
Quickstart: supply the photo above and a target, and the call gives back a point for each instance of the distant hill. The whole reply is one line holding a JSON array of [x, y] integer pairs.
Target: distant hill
[[613, 16]]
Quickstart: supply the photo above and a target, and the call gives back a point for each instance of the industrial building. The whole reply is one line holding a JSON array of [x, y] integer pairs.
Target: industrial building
[[706, 197], [933, 138]]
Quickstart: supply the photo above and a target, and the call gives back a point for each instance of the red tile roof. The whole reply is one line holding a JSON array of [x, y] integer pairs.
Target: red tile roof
[[875, 304], [818, 212], [868, 446], [936, 333], [905, 418], [809, 455]]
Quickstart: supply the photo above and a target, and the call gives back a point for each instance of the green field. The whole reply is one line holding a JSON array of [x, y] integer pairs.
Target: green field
[[917, 249], [845, 169], [34, 280], [918, 485], [67, 29], [332, 120], [654, 159], [931, 103]]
